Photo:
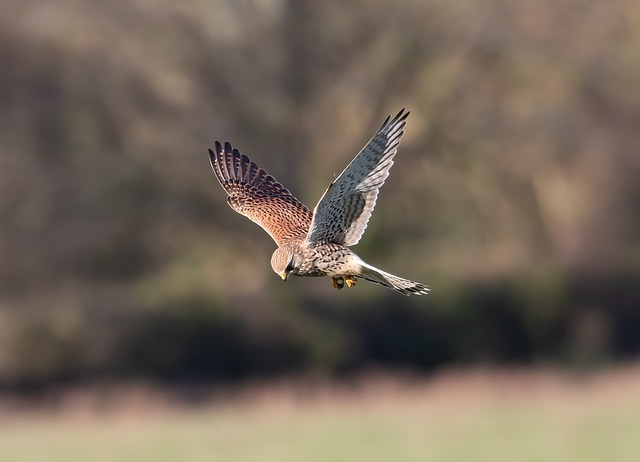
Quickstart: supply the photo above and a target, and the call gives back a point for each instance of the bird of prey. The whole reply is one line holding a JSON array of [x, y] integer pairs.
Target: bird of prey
[[317, 243]]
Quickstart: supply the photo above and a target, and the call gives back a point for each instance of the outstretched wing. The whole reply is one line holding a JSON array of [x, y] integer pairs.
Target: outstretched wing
[[344, 210], [258, 196]]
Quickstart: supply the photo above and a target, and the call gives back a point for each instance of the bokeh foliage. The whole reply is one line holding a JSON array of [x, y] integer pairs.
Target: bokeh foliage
[[515, 193]]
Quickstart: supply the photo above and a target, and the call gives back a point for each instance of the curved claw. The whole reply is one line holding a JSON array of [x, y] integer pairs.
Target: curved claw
[[351, 280]]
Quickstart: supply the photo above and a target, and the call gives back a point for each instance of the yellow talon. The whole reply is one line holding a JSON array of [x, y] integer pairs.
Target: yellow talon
[[338, 282], [351, 280]]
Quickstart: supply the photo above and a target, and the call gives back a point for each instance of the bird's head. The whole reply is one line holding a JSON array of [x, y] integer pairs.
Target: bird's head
[[284, 261]]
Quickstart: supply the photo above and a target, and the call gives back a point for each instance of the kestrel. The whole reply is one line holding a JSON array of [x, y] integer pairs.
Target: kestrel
[[317, 243]]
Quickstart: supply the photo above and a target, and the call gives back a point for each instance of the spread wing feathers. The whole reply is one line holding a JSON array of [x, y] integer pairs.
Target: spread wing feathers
[[343, 212], [258, 196]]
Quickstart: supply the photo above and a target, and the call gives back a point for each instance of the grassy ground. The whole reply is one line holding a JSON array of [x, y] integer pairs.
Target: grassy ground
[[476, 416]]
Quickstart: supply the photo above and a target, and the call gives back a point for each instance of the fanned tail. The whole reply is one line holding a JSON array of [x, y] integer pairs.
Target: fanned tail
[[404, 286]]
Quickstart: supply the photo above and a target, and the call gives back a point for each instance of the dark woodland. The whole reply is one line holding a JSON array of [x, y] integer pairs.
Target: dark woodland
[[515, 194]]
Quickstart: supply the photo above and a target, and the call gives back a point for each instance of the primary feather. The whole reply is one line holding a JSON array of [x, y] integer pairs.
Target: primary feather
[[258, 196], [343, 212]]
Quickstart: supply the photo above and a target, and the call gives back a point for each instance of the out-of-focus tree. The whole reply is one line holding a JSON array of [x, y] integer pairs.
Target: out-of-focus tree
[[514, 194]]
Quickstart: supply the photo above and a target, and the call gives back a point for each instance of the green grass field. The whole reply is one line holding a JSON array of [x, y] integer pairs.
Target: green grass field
[[525, 416]]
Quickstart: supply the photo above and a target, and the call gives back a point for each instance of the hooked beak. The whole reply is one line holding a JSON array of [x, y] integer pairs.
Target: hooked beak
[[284, 276]]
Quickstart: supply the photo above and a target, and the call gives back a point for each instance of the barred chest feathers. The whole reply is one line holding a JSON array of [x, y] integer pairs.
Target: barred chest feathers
[[328, 260]]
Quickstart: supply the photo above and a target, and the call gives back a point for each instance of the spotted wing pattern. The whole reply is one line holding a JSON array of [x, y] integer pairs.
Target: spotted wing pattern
[[258, 196], [344, 210]]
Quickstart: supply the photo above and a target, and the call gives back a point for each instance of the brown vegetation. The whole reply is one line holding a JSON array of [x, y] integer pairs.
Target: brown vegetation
[[514, 195]]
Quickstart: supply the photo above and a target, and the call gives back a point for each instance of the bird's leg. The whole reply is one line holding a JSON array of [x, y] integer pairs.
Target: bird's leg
[[351, 280], [338, 282]]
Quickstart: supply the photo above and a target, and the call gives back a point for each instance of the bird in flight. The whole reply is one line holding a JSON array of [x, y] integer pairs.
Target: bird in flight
[[317, 243]]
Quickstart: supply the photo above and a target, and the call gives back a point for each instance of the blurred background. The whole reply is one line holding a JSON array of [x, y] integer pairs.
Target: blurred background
[[515, 196]]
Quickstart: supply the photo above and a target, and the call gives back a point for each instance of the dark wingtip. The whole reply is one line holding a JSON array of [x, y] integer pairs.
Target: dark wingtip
[[400, 117]]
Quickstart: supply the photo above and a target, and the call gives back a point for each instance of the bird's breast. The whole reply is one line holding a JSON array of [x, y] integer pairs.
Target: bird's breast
[[326, 260]]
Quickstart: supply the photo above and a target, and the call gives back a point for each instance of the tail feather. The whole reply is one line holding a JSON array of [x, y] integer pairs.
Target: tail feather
[[404, 286]]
